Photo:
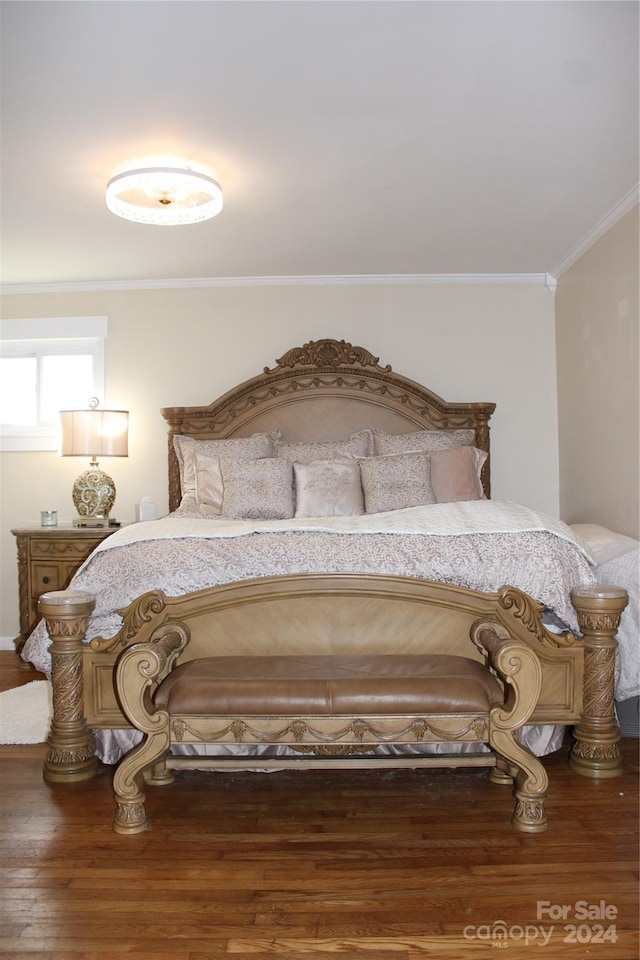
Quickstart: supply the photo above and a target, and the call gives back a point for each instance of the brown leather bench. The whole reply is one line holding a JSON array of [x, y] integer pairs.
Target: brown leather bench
[[329, 685], [330, 706]]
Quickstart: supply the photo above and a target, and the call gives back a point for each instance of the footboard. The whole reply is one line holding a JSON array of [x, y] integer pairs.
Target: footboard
[[339, 614]]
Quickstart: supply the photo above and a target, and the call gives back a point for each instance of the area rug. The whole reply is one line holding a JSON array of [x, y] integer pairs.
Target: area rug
[[25, 713]]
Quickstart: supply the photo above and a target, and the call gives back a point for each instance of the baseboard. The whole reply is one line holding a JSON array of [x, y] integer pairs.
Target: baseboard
[[6, 643]]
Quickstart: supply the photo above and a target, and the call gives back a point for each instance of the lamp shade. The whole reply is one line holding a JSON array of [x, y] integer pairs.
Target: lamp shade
[[94, 433]]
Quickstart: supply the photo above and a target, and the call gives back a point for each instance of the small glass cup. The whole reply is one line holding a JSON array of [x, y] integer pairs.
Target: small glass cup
[[48, 518]]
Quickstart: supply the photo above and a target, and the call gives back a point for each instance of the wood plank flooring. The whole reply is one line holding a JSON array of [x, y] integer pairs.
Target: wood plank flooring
[[384, 865]]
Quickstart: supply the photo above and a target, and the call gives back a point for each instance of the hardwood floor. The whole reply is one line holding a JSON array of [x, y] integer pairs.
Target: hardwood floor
[[389, 865]]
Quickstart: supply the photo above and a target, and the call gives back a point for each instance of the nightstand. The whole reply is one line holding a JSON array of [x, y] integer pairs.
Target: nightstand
[[47, 559]]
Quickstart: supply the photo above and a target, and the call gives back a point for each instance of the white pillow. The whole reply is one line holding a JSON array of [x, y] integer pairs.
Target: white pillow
[[603, 544]]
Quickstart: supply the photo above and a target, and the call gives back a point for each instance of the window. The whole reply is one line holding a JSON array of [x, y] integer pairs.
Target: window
[[47, 366]]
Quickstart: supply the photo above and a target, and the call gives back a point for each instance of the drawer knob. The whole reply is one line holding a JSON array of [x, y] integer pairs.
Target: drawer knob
[[45, 579]]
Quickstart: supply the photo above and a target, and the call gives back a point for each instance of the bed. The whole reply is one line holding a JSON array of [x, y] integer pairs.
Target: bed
[[344, 490]]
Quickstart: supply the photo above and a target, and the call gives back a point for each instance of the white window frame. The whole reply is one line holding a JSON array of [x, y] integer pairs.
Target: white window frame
[[51, 336]]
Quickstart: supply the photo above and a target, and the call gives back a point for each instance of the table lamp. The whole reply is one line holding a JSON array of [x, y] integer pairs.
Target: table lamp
[[94, 433]]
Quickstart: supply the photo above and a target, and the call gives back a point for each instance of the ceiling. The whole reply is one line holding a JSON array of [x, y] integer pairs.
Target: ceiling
[[350, 138]]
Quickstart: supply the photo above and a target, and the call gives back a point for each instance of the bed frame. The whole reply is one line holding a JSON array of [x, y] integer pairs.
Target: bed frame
[[324, 390]]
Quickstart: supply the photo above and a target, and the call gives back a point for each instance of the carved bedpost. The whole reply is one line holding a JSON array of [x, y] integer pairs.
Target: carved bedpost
[[482, 443], [595, 752], [71, 750]]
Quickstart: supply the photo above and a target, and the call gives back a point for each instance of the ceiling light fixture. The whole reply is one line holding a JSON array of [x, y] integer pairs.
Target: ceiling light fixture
[[165, 196]]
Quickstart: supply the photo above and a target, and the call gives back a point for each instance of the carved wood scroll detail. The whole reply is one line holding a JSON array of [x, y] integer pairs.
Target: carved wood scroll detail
[[598, 682], [528, 610], [141, 611], [327, 353], [299, 730], [60, 548]]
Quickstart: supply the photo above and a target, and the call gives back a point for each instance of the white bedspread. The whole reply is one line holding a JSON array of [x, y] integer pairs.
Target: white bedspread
[[437, 520]]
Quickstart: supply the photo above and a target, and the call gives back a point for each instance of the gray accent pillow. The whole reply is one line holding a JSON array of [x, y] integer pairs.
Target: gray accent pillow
[[257, 489], [358, 445], [420, 441]]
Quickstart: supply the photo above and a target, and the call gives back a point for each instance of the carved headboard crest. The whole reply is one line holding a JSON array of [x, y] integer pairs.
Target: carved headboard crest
[[327, 353]]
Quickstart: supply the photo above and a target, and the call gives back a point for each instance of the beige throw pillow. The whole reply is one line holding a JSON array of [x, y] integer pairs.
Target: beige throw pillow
[[328, 488], [209, 489], [455, 474]]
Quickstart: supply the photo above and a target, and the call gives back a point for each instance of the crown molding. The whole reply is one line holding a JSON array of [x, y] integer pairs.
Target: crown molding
[[627, 203], [548, 280], [404, 279]]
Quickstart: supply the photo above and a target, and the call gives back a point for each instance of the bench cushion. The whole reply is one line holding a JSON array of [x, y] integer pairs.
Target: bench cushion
[[329, 685]]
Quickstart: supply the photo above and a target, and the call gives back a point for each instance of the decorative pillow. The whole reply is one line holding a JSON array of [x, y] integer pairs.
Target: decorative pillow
[[455, 474], [358, 445], [238, 448], [209, 488], [420, 441], [396, 482], [257, 489], [328, 488]]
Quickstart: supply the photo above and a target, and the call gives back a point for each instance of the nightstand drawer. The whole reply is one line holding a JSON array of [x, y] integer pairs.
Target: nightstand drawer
[[51, 576], [62, 549], [45, 577]]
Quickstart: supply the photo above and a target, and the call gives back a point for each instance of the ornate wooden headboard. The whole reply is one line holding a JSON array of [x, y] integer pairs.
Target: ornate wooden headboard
[[325, 390]]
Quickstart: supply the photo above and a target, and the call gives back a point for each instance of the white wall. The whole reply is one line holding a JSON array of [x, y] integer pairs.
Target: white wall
[[480, 342], [597, 329]]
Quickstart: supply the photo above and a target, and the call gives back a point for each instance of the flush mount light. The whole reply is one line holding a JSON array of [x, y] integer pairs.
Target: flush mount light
[[166, 196]]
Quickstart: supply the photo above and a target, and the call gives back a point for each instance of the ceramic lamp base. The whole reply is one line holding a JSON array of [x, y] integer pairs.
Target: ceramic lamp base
[[94, 494]]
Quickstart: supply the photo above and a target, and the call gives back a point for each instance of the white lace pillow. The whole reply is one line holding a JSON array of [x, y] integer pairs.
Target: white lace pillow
[[257, 489], [420, 441], [238, 448], [328, 488], [455, 474], [358, 445], [396, 482]]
